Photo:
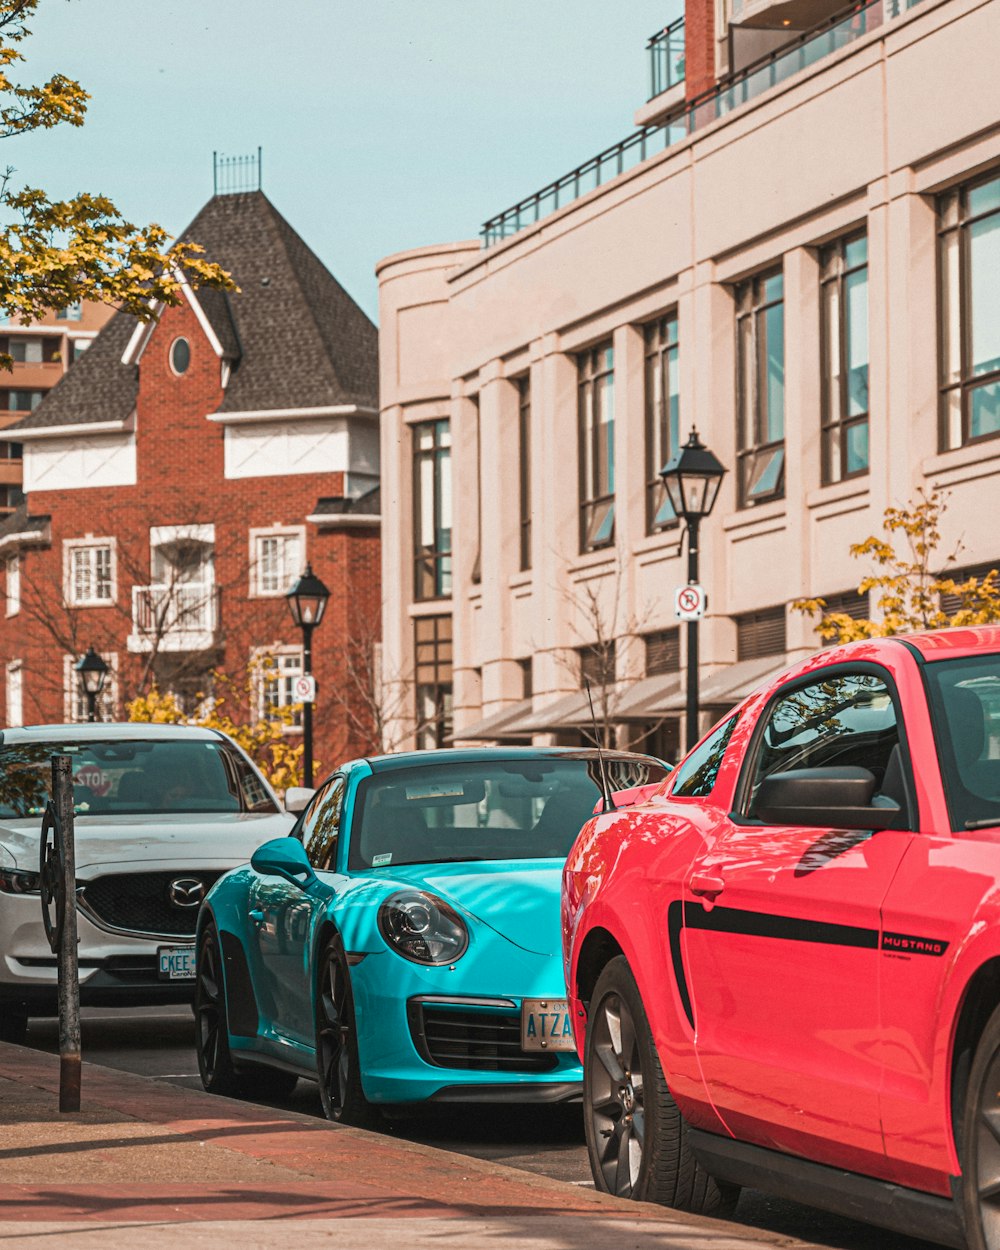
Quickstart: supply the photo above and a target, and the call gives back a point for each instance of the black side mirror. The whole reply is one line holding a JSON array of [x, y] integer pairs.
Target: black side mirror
[[841, 797]]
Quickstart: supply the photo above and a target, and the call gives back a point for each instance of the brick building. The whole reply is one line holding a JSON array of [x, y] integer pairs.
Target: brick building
[[182, 475], [41, 352]]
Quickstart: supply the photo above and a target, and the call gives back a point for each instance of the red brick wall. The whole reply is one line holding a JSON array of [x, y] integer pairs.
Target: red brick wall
[[699, 46], [180, 481]]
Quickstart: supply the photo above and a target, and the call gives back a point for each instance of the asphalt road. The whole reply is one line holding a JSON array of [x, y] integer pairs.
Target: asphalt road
[[157, 1041]]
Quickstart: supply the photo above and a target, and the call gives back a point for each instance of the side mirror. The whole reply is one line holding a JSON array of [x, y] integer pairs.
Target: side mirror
[[297, 798], [841, 797], [284, 857]]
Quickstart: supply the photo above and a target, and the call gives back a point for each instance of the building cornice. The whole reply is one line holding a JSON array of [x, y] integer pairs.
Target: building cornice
[[260, 415], [77, 430], [344, 520]]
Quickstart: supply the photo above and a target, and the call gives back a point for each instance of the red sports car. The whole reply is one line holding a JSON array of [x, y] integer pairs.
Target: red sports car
[[784, 961]]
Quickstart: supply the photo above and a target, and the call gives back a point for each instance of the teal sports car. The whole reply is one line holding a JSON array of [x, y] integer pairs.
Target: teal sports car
[[402, 944]]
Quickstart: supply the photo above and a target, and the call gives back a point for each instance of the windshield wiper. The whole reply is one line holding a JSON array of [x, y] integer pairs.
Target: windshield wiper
[[990, 822]]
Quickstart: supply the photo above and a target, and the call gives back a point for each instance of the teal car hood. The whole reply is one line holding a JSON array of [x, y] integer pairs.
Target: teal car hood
[[519, 901]]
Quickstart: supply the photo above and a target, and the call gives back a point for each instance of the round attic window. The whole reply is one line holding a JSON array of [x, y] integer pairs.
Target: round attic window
[[180, 355]]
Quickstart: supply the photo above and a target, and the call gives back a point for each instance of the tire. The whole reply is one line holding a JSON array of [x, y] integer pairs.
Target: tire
[[636, 1136], [980, 1150], [337, 1058], [13, 1026], [215, 1060]]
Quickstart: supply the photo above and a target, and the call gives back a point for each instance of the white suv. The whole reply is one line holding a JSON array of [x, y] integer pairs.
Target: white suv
[[161, 811]]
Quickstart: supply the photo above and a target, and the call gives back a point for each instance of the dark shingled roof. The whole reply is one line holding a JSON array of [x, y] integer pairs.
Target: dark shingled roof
[[19, 522], [368, 504], [294, 336]]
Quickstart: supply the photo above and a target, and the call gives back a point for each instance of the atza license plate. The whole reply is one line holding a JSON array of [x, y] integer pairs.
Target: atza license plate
[[545, 1024], [176, 963]]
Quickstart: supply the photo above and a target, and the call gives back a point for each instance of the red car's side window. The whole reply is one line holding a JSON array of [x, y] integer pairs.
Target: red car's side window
[[696, 776]]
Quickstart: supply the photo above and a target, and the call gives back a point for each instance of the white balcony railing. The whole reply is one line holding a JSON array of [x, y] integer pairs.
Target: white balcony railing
[[182, 617]]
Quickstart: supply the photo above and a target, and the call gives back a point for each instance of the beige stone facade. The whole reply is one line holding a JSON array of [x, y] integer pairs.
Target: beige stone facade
[[868, 142]]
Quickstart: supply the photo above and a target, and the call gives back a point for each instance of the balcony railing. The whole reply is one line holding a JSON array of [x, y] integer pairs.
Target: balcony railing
[[666, 58], [182, 617], [689, 118]]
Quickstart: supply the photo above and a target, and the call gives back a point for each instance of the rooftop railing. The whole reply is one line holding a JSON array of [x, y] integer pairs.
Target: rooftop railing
[[666, 58], [689, 118]]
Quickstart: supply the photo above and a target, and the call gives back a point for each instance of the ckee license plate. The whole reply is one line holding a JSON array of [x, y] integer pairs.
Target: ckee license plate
[[176, 963], [545, 1024]]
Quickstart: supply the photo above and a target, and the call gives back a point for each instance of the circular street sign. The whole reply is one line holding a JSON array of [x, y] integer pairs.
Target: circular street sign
[[689, 602], [304, 689]]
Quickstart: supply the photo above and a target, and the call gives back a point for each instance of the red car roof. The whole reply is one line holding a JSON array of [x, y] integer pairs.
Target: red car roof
[[948, 644]]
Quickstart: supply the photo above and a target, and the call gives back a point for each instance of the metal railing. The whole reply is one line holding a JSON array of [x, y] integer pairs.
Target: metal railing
[[720, 100], [174, 612], [666, 58]]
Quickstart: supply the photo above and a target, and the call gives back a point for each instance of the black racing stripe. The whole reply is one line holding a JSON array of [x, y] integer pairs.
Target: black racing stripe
[[788, 928], [675, 922]]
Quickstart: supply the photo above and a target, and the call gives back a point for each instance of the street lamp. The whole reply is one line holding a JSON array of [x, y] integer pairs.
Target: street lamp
[[93, 672], [692, 479], [307, 600]]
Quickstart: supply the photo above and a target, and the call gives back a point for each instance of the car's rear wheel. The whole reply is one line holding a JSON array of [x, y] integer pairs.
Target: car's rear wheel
[[981, 1143], [215, 1060], [636, 1136], [13, 1025], [337, 1043]]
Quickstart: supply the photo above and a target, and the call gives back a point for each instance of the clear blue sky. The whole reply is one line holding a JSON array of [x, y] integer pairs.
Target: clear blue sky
[[385, 124]]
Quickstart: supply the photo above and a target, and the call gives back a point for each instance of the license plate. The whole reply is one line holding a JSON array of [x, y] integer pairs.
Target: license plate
[[176, 963], [545, 1024]]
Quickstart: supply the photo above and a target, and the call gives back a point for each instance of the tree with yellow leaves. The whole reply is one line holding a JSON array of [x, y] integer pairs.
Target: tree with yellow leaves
[[909, 589], [56, 252]]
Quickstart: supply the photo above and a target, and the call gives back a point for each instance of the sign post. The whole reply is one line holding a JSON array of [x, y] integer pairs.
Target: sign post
[[57, 865]]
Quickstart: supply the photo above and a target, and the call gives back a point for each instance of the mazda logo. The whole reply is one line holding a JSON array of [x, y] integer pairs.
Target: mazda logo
[[186, 892]]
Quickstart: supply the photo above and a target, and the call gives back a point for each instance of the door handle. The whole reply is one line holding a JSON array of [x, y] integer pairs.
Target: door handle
[[257, 917], [705, 886]]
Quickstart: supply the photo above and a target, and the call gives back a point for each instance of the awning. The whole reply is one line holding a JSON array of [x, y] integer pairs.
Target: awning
[[497, 726], [649, 698], [732, 684]]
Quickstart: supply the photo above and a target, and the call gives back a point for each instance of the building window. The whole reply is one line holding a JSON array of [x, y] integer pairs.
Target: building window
[[596, 415], [663, 652], [72, 312], [969, 261], [15, 693], [27, 351], [277, 559], [527, 668], [13, 585], [433, 656], [598, 664], [477, 564], [23, 401], [11, 451], [760, 398], [760, 633], [846, 603], [844, 298], [76, 707], [950, 604], [524, 451], [79, 347], [180, 356], [90, 573], [432, 509], [663, 416], [278, 670]]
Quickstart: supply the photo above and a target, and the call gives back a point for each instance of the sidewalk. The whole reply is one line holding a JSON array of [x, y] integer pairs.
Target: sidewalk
[[155, 1164]]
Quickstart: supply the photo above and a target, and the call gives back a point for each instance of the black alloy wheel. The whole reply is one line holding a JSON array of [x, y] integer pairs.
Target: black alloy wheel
[[980, 1152], [636, 1136], [215, 1061], [337, 1058]]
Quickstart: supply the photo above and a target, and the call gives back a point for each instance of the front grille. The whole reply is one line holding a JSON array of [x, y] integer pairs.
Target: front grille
[[478, 1041], [139, 902]]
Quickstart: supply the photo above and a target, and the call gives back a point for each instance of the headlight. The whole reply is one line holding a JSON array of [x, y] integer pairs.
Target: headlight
[[423, 928], [13, 882]]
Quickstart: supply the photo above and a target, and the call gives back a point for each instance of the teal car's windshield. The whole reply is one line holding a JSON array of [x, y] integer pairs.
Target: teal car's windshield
[[483, 810], [132, 777], [965, 707]]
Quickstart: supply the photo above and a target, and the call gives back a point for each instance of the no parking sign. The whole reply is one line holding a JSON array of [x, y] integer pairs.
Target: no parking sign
[[689, 602], [304, 689]]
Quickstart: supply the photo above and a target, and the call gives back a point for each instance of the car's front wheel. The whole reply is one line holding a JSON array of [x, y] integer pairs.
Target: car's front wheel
[[636, 1136], [981, 1143], [337, 1059]]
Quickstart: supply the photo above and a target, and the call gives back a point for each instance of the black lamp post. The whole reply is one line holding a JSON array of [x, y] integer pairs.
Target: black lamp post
[[307, 600], [93, 672], [692, 478]]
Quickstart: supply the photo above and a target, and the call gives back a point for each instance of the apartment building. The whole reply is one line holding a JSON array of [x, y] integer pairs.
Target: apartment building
[[41, 354], [797, 253], [183, 474]]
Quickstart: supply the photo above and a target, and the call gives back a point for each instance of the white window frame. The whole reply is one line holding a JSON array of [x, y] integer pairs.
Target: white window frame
[[73, 545], [290, 663], [13, 585], [74, 699], [258, 588], [14, 693]]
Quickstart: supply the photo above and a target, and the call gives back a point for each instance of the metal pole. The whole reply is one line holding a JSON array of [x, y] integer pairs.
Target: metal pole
[[691, 718], [91, 707], [307, 710], [69, 972]]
